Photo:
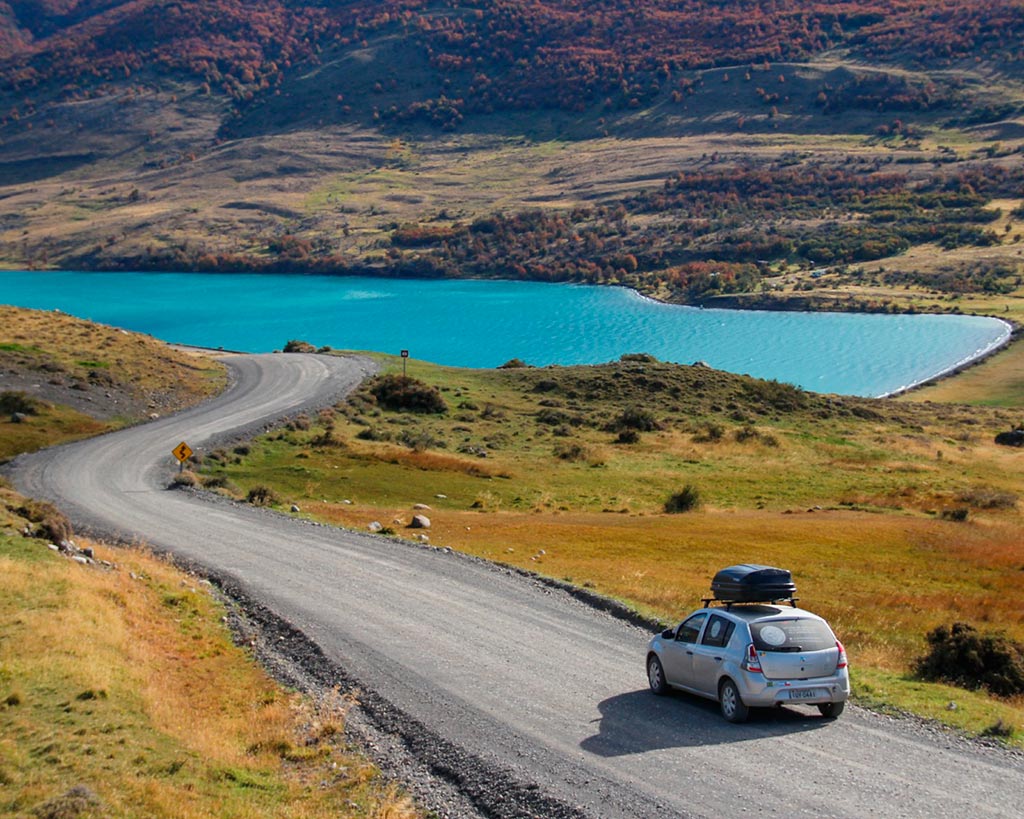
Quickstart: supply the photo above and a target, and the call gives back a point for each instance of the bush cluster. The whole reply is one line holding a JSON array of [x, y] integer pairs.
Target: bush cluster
[[685, 500], [262, 496], [962, 656], [571, 451], [50, 522], [12, 402], [400, 392], [298, 346], [184, 479], [637, 418], [775, 394]]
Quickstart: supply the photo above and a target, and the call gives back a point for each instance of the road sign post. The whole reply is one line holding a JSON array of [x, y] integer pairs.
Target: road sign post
[[182, 452], [405, 357]]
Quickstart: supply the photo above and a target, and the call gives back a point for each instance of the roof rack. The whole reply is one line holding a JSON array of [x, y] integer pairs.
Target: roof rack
[[709, 601]]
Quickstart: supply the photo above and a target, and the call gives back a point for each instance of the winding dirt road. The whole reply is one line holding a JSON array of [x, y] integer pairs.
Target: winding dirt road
[[534, 702]]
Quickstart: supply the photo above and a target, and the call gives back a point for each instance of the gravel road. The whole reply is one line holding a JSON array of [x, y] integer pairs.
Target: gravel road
[[519, 699]]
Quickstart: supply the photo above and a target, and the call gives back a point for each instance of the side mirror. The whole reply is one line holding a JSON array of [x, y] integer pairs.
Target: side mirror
[[669, 633]]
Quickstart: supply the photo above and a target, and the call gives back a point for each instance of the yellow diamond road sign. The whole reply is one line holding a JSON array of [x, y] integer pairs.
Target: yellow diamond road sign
[[182, 452]]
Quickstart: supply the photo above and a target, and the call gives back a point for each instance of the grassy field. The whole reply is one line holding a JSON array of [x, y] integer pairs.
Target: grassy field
[[122, 694], [579, 461], [996, 382]]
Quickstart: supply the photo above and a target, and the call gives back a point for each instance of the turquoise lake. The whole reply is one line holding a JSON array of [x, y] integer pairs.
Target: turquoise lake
[[485, 323]]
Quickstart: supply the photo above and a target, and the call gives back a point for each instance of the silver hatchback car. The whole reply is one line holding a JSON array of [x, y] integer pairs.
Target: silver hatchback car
[[752, 655]]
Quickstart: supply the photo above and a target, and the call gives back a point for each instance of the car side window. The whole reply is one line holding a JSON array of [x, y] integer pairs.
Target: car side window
[[690, 628], [718, 632]]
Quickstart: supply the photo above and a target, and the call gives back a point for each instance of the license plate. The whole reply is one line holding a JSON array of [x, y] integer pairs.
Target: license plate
[[804, 694]]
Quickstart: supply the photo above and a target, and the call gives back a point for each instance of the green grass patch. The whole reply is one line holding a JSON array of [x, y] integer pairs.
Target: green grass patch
[[11, 347], [969, 711], [52, 425], [557, 432]]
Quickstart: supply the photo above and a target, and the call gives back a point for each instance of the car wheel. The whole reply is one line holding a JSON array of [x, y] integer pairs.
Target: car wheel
[[729, 700], [656, 675], [831, 710]]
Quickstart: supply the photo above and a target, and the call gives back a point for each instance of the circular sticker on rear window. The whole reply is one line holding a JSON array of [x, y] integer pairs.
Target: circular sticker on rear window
[[773, 635]]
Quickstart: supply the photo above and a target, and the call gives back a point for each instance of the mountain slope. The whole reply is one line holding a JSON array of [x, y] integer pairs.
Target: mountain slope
[[568, 140], [490, 56]]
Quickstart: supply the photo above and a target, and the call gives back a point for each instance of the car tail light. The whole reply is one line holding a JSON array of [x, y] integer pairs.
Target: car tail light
[[841, 662], [752, 662]]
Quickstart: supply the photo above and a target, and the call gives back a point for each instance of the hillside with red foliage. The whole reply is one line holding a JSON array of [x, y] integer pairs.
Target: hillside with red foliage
[[487, 56]]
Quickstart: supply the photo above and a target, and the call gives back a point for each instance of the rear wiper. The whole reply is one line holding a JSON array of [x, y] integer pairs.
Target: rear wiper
[[790, 648]]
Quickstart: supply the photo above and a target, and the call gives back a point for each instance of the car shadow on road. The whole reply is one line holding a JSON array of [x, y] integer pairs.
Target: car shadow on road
[[638, 721]]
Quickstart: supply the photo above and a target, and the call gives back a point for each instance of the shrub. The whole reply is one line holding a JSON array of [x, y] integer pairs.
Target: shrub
[[78, 801], [999, 730], [962, 656], [297, 346], [421, 440], [262, 496], [551, 417], [959, 514], [686, 500], [514, 364], [50, 522], [184, 479], [775, 394], [637, 418], [400, 392], [373, 434], [985, 497], [571, 451], [710, 434], [220, 482], [642, 358], [12, 402], [628, 436]]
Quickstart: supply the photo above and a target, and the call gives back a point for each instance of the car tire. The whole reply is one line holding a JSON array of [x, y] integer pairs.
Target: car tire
[[730, 703], [656, 676], [831, 710]]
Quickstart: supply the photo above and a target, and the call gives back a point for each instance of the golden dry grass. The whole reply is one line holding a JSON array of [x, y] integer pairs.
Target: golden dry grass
[[71, 349], [125, 680], [845, 562]]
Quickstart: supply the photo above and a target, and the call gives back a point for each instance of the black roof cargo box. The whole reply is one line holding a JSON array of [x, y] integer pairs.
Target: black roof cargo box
[[750, 583]]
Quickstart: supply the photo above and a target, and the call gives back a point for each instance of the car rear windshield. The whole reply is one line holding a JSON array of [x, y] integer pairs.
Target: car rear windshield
[[794, 634]]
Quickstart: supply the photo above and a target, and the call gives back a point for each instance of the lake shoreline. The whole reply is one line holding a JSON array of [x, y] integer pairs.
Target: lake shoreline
[[478, 322]]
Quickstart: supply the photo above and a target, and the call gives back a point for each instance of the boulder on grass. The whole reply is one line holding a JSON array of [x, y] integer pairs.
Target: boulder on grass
[[420, 522]]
